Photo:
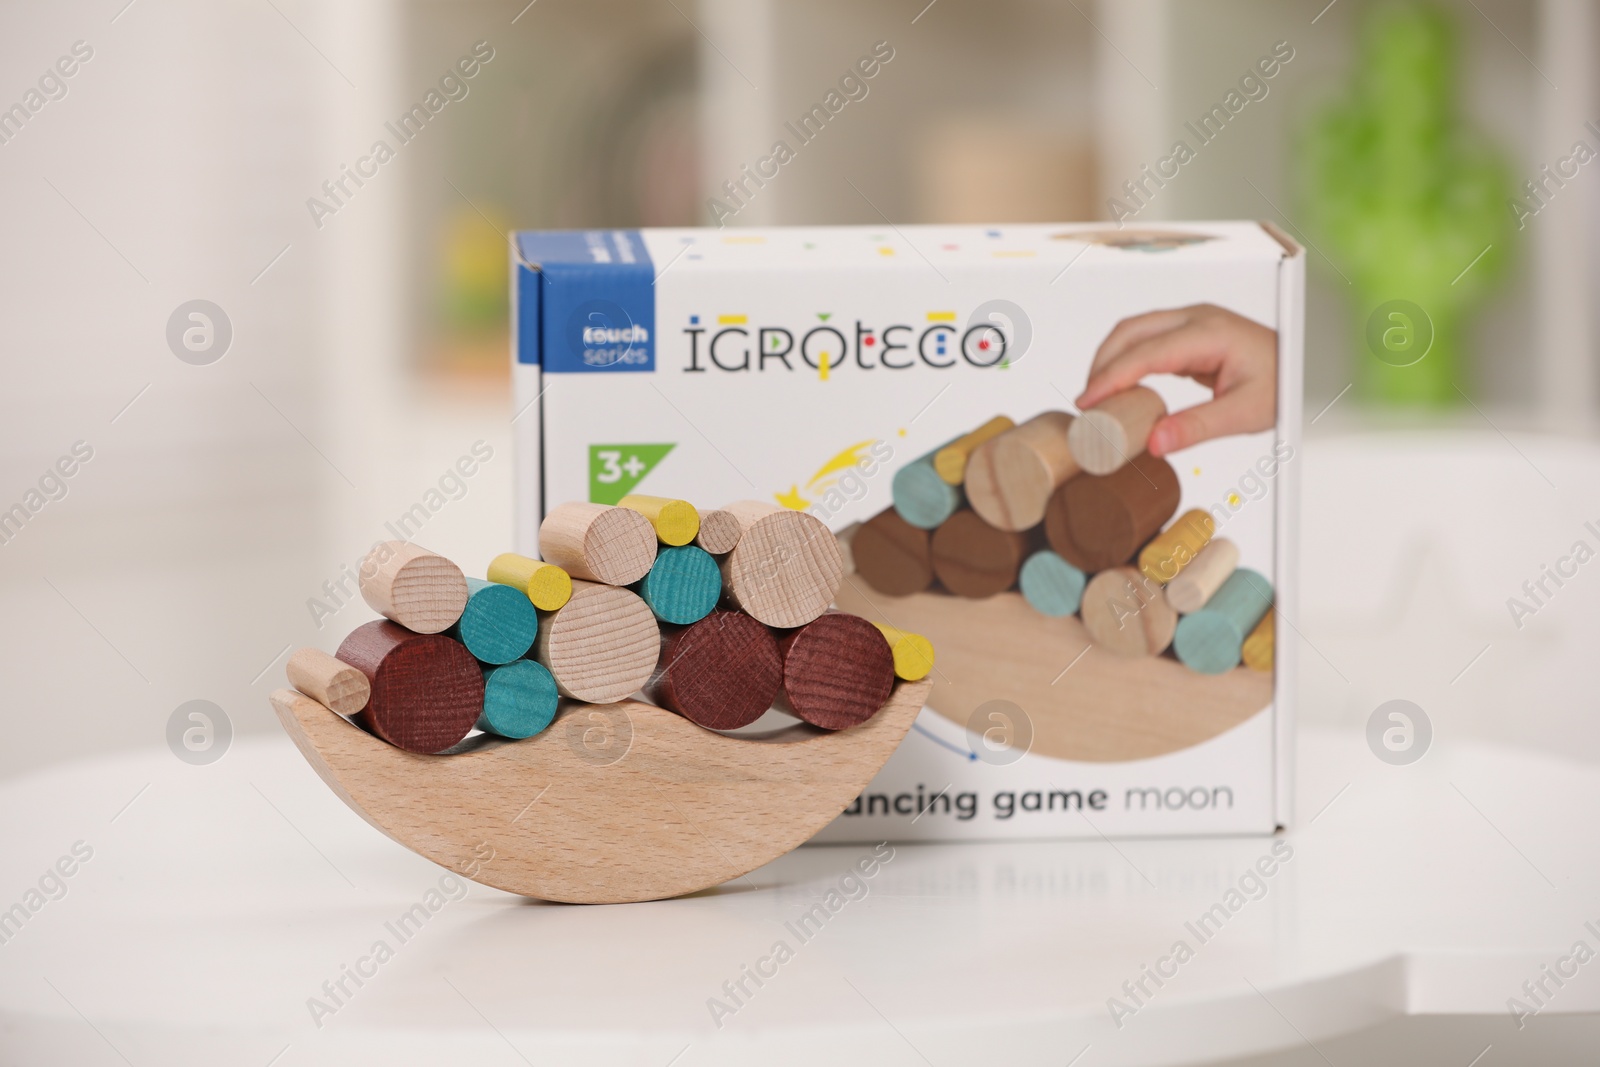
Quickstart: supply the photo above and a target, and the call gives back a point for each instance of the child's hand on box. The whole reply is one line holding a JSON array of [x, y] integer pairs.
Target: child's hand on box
[[1235, 358]]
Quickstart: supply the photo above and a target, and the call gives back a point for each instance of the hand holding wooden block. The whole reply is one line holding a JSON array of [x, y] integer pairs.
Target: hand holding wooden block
[[547, 586], [602, 646], [1196, 583], [676, 522], [1177, 546], [974, 559], [420, 590], [786, 568], [1125, 613], [1111, 433], [837, 671], [598, 543], [951, 461], [426, 689], [1099, 522], [891, 555], [1009, 479], [722, 673], [326, 680]]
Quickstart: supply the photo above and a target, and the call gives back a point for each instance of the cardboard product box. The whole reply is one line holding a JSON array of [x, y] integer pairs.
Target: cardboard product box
[[807, 366]]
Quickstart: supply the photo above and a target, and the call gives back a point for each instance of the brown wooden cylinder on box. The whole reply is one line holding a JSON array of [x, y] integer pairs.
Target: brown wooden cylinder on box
[[976, 560], [891, 555], [1101, 521]]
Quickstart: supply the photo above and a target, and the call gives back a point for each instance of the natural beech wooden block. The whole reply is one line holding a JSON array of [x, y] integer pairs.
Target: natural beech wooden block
[[602, 646], [328, 681], [974, 559], [1195, 584], [1177, 546], [838, 671], [1125, 613], [921, 497], [498, 624], [519, 699], [676, 522], [1111, 433], [786, 568], [547, 586], [951, 461], [1258, 647], [719, 532], [1051, 585], [420, 590], [683, 585], [598, 543], [722, 673], [891, 555], [913, 653], [1211, 640], [1010, 478], [1096, 522], [426, 689]]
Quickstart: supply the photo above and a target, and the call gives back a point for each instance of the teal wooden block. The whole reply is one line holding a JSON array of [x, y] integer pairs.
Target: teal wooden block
[[519, 699], [1211, 640], [498, 624], [922, 497], [1051, 585], [683, 585]]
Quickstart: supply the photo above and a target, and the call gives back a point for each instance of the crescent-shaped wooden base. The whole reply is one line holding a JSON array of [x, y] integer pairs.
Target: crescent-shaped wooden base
[[613, 803], [1105, 709]]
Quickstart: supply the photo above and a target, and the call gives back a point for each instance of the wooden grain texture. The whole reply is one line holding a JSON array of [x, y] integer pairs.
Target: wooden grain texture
[[676, 522], [498, 624], [547, 586], [1194, 585], [598, 543], [722, 672], [1009, 479], [681, 810], [1211, 640], [602, 646], [913, 654], [519, 699], [1096, 522], [1083, 703], [786, 567], [1177, 546], [951, 461], [683, 585], [891, 555], [846, 538], [719, 532], [426, 689], [837, 671], [1050, 584], [1259, 647], [1111, 433], [974, 559], [420, 590], [328, 680], [922, 498], [1126, 613]]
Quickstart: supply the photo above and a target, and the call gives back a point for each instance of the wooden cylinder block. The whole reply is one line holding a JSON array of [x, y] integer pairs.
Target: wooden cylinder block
[[598, 543], [722, 673], [1259, 646], [719, 532], [498, 624], [1111, 433], [546, 585], [676, 522], [913, 653], [1176, 547], [786, 568], [837, 671], [1195, 584], [922, 497], [951, 460], [426, 689], [1125, 613], [1211, 640], [519, 699], [420, 590], [1096, 522], [1010, 478], [602, 646], [326, 680], [973, 559], [683, 585], [891, 555], [1051, 585]]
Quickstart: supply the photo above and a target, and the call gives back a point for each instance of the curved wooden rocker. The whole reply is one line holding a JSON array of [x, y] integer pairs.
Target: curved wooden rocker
[[613, 803], [1105, 708]]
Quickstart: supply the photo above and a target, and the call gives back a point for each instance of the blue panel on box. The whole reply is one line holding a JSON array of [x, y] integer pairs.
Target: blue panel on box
[[596, 301]]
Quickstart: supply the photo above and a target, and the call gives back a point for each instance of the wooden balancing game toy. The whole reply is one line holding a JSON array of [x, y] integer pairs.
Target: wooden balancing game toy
[[553, 730], [1020, 549]]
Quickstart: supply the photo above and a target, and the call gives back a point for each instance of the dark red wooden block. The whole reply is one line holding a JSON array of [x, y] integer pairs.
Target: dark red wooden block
[[722, 672], [427, 690], [837, 671]]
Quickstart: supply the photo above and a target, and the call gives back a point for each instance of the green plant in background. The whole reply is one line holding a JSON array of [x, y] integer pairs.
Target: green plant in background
[[1403, 198]]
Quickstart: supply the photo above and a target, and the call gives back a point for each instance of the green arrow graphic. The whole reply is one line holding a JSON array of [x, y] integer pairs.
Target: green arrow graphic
[[614, 470]]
